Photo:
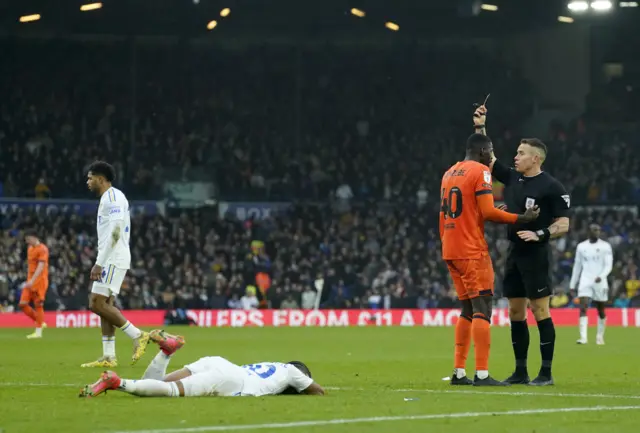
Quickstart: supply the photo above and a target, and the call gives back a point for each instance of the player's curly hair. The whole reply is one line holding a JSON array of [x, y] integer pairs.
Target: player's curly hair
[[104, 169], [304, 369]]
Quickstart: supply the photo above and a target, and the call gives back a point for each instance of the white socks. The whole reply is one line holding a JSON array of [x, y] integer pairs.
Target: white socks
[[39, 332], [460, 373], [584, 324], [149, 388], [152, 384], [109, 346], [158, 368], [602, 323], [482, 374], [131, 331]]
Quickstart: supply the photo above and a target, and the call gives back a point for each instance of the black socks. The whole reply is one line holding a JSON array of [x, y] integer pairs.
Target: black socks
[[547, 345]]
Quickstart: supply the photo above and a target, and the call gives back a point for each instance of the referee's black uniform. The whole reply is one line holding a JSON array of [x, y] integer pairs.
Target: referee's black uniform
[[528, 266]]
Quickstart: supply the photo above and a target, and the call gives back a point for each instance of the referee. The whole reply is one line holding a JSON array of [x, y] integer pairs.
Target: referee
[[528, 268]]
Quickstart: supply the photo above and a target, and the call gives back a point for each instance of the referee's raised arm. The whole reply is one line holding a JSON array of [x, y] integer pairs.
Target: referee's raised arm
[[499, 171]]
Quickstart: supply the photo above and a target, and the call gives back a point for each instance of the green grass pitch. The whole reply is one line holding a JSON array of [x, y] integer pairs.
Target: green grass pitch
[[386, 379]]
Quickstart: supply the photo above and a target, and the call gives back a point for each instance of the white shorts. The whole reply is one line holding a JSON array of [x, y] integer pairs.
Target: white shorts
[[213, 376], [110, 282], [596, 292]]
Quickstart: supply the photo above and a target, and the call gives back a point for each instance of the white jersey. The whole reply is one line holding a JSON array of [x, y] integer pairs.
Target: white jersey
[[271, 378], [216, 376], [113, 215], [592, 261]]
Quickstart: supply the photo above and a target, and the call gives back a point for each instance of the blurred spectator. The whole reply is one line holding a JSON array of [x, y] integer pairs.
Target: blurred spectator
[[42, 190], [308, 299], [249, 301], [289, 303], [560, 299]]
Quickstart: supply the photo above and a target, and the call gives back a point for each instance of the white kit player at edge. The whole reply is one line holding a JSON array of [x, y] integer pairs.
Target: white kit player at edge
[[113, 224], [113, 252], [211, 376], [593, 264]]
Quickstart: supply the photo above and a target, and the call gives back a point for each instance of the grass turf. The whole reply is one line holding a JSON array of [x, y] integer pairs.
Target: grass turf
[[369, 371]]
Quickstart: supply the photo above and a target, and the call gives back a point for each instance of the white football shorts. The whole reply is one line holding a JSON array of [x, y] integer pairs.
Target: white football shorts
[[214, 376], [110, 282], [596, 292]]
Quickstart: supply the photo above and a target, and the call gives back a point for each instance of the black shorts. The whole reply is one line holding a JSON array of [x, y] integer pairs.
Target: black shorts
[[527, 273]]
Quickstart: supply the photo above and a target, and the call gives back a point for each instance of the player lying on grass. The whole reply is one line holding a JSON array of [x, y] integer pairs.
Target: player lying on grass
[[208, 376]]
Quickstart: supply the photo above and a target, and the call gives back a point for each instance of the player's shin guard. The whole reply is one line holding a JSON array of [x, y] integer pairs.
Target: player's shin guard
[[149, 388], [547, 345], [462, 342], [158, 367], [481, 330], [520, 343]]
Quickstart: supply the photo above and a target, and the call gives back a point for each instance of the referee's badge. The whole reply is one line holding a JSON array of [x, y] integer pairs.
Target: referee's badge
[[531, 202]]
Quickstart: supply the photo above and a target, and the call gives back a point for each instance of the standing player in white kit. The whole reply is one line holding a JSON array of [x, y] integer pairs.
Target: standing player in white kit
[[114, 259], [211, 376], [593, 264]]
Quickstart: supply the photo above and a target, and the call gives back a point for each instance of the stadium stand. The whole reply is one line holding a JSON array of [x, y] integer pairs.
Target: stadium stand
[[360, 155]]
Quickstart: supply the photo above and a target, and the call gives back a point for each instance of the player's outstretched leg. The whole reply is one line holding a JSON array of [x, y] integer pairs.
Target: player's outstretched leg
[[584, 320], [462, 344], [109, 380], [602, 323]]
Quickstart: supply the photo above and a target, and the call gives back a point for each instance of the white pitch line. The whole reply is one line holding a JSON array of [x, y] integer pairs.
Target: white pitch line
[[474, 391], [518, 393], [378, 419]]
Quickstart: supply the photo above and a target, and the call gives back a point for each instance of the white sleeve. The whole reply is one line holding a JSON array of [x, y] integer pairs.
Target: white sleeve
[[298, 379], [577, 269], [114, 230], [608, 262]]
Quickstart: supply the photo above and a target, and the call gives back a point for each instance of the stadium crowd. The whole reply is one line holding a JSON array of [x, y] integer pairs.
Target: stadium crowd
[[273, 123], [371, 257]]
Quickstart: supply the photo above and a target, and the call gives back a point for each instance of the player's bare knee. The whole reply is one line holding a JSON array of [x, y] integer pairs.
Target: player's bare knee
[[97, 304], [540, 309], [517, 313]]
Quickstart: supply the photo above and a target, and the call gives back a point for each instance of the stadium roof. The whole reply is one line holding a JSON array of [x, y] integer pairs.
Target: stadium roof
[[298, 19]]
